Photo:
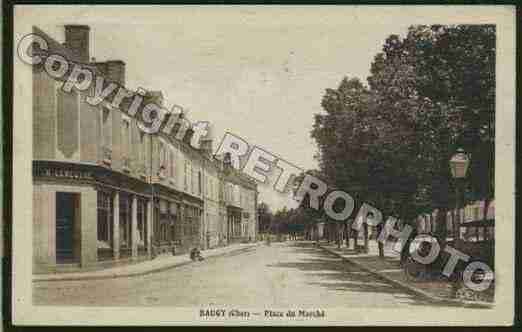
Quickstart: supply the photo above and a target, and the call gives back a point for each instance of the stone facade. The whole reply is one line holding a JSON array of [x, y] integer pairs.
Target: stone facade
[[107, 193]]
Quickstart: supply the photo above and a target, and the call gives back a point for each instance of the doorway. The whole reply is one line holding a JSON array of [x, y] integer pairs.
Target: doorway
[[66, 221]]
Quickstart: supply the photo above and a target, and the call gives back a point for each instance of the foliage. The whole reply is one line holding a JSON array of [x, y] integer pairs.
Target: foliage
[[389, 143]]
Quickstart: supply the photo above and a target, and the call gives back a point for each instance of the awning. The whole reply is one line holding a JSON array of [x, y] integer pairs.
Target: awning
[[479, 223]]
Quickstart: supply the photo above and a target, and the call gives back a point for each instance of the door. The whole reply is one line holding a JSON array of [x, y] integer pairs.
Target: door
[[65, 220]]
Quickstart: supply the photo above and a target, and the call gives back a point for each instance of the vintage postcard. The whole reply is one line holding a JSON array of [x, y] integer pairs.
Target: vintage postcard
[[263, 165]]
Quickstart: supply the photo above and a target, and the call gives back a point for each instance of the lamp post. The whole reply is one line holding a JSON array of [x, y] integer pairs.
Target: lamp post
[[459, 166]]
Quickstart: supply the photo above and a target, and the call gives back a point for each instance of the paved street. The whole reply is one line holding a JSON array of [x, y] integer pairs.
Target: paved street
[[282, 274]]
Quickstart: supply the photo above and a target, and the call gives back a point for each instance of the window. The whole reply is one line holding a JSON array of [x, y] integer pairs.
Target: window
[[167, 161], [227, 192], [142, 148], [236, 198], [172, 164], [126, 136], [67, 120], [104, 206], [200, 183], [142, 222], [173, 211], [193, 180], [106, 127], [125, 221], [476, 213], [162, 167], [491, 233], [164, 221], [187, 175]]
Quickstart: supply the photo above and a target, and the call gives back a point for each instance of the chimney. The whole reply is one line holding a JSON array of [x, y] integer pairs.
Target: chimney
[[77, 40], [115, 71]]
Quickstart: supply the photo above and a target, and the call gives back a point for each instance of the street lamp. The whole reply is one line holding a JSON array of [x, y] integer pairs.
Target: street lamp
[[459, 166]]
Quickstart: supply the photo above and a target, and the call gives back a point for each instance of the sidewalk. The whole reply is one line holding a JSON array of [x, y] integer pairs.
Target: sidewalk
[[388, 268], [158, 264]]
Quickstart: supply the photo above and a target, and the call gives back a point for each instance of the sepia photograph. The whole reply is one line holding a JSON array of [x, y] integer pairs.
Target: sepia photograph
[[263, 165]]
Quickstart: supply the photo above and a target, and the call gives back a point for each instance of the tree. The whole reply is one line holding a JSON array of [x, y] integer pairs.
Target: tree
[[265, 217], [390, 143], [440, 82]]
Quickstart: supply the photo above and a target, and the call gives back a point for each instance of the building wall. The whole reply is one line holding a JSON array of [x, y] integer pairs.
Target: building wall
[[212, 222], [44, 144], [68, 129], [178, 167]]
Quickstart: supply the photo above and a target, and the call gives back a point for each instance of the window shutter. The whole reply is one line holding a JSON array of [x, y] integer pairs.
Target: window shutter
[[67, 122]]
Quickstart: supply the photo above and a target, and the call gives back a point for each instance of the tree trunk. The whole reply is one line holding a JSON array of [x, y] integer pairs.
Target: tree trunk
[[487, 201], [442, 229], [340, 233], [347, 234], [380, 228], [381, 249], [365, 234], [454, 225]]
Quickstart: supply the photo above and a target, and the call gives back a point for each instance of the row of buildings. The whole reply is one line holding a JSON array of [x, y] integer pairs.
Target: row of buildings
[[464, 223], [107, 193]]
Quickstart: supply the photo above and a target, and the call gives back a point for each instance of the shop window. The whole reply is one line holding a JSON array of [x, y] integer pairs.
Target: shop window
[[142, 222], [125, 223], [105, 219], [164, 222], [173, 220]]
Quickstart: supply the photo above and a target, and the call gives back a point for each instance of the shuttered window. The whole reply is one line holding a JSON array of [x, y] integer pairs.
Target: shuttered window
[[67, 122]]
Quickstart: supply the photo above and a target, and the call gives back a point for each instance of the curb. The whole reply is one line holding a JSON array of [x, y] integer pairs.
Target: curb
[[139, 273], [415, 290]]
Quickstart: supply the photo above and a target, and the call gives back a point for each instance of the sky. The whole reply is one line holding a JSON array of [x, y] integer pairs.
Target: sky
[[257, 72]]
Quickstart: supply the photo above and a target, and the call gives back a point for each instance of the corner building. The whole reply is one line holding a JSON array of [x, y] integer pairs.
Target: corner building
[[106, 193]]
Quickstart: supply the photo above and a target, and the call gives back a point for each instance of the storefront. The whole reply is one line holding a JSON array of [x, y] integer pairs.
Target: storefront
[[234, 225], [87, 216], [177, 221]]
